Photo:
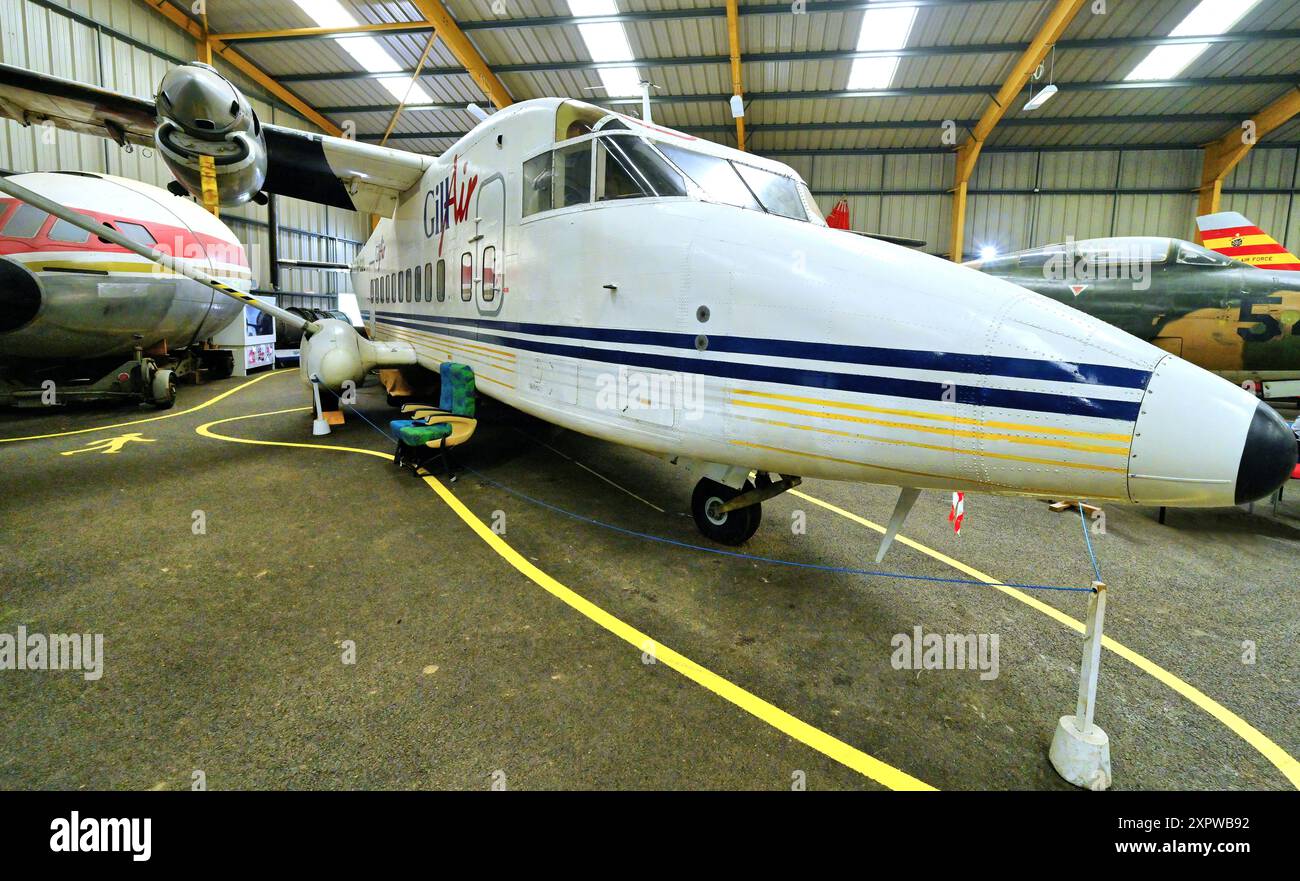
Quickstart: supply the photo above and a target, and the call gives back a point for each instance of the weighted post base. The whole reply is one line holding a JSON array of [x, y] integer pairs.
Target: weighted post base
[[1082, 758]]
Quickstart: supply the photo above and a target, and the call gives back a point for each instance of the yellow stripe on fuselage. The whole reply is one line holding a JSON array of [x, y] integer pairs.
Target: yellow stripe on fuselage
[[953, 432], [982, 454], [139, 267], [434, 337], [954, 480], [937, 417]]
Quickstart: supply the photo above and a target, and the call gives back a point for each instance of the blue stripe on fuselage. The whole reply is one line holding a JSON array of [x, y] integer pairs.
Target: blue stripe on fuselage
[[1072, 405], [955, 362]]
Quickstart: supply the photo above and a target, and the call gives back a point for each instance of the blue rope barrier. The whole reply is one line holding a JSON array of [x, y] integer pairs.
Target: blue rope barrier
[[1087, 539], [820, 567]]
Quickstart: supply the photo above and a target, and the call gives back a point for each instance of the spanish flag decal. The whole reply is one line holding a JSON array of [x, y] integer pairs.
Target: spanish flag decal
[[1232, 235]]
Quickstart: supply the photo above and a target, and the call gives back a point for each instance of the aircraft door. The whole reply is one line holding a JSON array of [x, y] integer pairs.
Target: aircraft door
[[490, 216]]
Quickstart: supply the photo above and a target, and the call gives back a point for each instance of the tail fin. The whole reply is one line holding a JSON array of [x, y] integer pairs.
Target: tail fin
[[1232, 235]]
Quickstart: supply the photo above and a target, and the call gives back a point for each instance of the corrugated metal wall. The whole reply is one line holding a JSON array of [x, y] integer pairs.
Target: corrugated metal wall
[[123, 45], [1024, 199]]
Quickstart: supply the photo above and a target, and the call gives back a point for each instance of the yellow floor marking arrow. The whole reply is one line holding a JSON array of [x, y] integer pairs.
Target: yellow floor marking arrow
[[110, 446]]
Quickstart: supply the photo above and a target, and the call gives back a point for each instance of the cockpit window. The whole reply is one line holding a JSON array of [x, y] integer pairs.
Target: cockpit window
[[714, 175], [25, 223], [745, 186], [573, 175], [775, 192], [809, 203], [1195, 255], [537, 184], [628, 168]]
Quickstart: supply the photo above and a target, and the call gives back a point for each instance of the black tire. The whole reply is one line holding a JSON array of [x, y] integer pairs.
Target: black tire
[[733, 528], [162, 388]]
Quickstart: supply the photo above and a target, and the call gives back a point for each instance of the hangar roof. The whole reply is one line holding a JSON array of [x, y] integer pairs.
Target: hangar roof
[[796, 67]]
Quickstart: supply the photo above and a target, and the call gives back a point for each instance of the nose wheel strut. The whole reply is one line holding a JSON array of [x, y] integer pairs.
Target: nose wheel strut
[[731, 516]]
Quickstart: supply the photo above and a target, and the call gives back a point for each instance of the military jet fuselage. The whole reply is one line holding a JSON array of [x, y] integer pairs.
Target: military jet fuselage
[[1219, 313]]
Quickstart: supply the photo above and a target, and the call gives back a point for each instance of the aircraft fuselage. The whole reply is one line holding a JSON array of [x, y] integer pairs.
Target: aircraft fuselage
[[738, 339]]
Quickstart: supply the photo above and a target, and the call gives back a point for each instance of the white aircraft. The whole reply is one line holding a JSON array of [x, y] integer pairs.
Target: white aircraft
[[636, 284]]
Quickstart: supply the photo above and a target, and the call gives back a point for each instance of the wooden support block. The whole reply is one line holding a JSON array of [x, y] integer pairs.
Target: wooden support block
[[333, 417], [1073, 505]]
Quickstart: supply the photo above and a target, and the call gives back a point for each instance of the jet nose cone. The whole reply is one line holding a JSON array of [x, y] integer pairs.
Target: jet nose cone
[[20, 295], [1268, 456]]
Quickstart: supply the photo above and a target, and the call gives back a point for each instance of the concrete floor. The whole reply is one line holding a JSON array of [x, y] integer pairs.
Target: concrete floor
[[224, 650]]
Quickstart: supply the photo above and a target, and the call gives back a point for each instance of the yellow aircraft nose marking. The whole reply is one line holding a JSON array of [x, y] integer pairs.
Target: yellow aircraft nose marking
[[110, 445]]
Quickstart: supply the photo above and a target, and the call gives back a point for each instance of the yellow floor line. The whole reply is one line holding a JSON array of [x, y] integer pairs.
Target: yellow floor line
[[1239, 726], [169, 415], [824, 743]]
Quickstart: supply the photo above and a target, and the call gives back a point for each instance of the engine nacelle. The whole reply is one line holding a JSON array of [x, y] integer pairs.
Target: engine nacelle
[[203, 115], [337, 354]]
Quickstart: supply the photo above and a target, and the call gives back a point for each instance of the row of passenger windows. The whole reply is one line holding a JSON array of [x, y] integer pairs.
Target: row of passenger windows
[[27, 222], [413, 285]]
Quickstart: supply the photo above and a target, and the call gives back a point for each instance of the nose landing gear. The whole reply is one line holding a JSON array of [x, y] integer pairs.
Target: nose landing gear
[[731, 516]]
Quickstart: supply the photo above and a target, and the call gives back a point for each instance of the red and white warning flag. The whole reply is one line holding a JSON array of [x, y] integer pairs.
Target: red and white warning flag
[[958, 511]]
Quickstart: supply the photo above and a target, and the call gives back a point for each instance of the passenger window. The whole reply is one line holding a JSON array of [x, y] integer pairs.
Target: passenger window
[[419, 290], [573, 175], [62, 231], [428, 282], [467, 276], [406, 287], [442, 280], [25, 223], [537, 184], [489, 274]]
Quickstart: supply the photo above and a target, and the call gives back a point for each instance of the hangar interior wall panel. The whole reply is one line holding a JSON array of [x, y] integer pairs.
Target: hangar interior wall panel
[[43, 39], [1027, 199]]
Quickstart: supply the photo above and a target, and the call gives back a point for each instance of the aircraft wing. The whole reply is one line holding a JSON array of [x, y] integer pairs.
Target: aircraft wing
[[34, 98], [339, 171], [317, 168]]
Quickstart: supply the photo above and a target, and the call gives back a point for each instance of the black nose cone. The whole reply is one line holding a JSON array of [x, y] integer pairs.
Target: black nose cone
[[20, 295], [1268, 458]]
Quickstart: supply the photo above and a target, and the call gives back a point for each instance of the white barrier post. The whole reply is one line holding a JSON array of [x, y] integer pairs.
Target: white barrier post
[[318, 425], [1081, 750]]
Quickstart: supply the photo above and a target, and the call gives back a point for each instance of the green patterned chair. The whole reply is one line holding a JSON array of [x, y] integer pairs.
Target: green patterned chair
[[433, 431]]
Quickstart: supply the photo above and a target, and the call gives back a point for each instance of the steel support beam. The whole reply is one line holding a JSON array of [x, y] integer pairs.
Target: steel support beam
[[1060, 16], [397, 114], [896, 125], [751, 58], [737, 88], [1222, 156], [465, 52], [242, 64], [904, 92]]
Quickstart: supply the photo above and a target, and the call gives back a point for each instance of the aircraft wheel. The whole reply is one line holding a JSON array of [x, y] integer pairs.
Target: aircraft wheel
[[162, 389], [732, 528]]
